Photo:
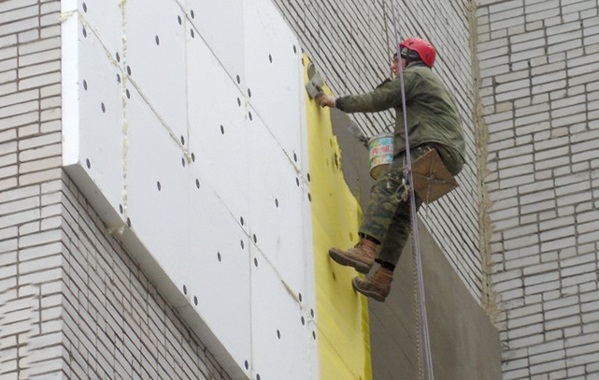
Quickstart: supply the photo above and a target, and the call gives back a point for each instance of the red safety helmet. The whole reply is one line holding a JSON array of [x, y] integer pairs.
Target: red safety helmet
[[425, 50]]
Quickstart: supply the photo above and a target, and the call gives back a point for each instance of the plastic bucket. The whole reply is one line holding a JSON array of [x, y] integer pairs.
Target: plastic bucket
[[380, 153]]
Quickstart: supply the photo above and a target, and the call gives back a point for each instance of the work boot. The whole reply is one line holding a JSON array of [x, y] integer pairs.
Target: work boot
[[376, 287], [360, 257]]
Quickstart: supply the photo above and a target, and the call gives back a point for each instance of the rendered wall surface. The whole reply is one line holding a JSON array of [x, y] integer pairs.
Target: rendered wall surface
[[540, 96], [465, 343]]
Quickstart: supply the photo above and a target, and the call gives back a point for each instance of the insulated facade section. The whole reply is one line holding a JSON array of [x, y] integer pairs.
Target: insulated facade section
[[73, 304], [191, 144]]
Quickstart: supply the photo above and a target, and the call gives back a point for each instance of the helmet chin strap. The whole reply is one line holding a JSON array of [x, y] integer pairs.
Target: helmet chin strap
[[412, 57]]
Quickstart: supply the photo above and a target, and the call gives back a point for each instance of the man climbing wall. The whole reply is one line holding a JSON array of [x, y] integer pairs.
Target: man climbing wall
[[434, 125]]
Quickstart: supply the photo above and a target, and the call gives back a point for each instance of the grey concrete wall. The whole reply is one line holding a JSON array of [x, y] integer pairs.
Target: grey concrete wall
[[464, 342], [73, 304], [540, 98]]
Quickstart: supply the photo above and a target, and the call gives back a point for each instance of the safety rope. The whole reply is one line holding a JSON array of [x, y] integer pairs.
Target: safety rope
[[417, 323], [424, 332]]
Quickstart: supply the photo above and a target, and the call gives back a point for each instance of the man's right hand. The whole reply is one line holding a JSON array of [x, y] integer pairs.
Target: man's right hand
[[326, 100]]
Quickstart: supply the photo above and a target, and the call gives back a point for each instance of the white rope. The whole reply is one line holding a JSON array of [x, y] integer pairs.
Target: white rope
[[414, 216]]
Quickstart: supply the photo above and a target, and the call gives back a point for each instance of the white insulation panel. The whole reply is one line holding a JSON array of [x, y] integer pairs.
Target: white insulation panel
[[220, 25], [184, 123]]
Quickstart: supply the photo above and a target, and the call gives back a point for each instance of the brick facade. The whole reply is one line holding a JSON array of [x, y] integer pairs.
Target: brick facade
[[539, 90], [74, 304]]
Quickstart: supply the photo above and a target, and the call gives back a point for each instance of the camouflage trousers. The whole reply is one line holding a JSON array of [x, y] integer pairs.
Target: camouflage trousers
[[387, 217]]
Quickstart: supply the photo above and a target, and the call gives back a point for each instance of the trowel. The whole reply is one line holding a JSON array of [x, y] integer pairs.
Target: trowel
[[315, 82]]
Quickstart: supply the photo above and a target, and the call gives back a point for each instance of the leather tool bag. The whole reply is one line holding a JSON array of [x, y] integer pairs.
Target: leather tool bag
[[431, 178]]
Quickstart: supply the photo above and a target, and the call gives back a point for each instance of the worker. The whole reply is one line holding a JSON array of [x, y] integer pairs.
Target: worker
[[433, 123]]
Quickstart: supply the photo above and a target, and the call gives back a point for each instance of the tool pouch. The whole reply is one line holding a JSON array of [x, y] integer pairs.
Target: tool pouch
[[431, 178]]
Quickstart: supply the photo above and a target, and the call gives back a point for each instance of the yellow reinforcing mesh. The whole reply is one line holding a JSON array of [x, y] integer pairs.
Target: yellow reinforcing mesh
[[341, 314]]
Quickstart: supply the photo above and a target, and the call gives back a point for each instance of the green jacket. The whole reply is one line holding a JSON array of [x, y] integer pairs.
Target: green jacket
[[431, 110]]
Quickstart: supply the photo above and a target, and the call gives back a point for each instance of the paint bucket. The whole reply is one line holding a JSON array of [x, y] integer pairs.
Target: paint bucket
[[380, 150]]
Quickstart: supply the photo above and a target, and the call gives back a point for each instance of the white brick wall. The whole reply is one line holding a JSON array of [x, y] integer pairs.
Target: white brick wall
[[538, 65], [73, 305]]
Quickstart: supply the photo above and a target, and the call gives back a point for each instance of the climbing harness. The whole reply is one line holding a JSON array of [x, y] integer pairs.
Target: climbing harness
[[408, 175]]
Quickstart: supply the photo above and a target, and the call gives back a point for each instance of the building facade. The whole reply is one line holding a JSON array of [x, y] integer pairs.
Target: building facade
[[520, 232]]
